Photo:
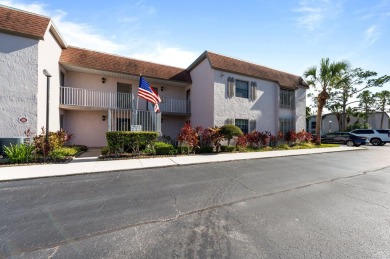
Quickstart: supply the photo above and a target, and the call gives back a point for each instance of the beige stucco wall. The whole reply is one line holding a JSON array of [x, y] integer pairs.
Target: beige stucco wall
[[49, 52], [171, 125], [300, 109], [202, 95], [87, 127], [93, 81], [73, 119], [262, 109], [211, 105], [18, 84]]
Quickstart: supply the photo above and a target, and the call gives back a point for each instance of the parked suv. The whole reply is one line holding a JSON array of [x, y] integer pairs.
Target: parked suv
[[376, 137]]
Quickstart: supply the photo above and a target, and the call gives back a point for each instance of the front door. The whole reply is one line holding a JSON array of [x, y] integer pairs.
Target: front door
[[123, 96]]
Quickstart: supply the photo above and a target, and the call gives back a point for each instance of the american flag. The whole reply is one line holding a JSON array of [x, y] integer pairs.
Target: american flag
[[146, 92]]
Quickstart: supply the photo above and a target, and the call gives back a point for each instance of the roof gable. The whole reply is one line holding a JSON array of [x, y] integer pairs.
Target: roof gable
[[113, 63], [228, 64], [23, 23]]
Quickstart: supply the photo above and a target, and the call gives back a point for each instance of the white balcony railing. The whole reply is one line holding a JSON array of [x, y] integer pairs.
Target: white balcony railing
[[94, 98], [70, 96], [125, 120], [175, 105]]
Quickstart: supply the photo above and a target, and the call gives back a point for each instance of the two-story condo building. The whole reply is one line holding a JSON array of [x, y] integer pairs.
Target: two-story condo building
[[93, 92]]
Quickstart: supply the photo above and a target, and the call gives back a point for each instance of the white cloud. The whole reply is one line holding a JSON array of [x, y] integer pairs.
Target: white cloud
[[84, 35], [314, 13], [87, 36], [34, 7], [371, 35], [76, 34], [168, 55], [146, 8]]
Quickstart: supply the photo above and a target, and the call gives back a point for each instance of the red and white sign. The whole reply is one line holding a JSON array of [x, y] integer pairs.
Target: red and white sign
[[23, 120]]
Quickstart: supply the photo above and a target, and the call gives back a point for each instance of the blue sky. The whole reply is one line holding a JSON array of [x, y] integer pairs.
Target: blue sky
[[288, 35]]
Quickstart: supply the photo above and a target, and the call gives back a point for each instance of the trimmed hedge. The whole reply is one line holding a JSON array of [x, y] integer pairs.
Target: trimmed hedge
[[163, 148], [120, 141], [204, 150], [227, 149]]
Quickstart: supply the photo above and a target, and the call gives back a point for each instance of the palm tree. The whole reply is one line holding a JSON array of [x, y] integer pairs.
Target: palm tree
[[382, 100], [326, 77]]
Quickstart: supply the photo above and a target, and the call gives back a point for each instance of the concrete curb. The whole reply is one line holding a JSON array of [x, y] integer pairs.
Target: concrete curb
[[16, 173]]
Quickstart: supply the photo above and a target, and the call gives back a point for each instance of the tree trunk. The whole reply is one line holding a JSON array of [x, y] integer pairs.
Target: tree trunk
[[318, 124], [343, 116], [321, 103]]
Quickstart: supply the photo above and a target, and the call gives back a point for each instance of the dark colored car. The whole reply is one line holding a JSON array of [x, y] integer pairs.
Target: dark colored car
[[345, 138]]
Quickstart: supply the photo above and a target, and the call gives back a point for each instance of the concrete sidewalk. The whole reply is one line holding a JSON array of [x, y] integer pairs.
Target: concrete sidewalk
[[87, 165]]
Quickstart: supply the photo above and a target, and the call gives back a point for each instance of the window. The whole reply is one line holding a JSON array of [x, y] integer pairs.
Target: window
[[287, 99], [123, 95], [363, 131], [243, 125], [242, 89], [123, 124], [285, 125], [313, 127]]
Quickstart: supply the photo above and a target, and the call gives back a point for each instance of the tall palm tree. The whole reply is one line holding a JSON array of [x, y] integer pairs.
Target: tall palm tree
[[325, 78], [382, 101]]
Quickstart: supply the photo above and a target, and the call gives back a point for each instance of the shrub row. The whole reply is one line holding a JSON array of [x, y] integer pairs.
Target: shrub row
[[39, 150], [130, 141]]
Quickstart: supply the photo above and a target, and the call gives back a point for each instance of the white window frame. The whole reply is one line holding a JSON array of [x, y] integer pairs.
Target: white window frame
[[247, 89], [287, 98], [238, 123], [285, 125]]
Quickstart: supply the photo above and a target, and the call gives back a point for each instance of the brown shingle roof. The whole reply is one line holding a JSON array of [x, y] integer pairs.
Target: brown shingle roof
[[117, 64], [23, 23], [236, 66]]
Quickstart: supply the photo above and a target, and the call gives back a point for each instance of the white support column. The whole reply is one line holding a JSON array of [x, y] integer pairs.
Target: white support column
[[109, 120]]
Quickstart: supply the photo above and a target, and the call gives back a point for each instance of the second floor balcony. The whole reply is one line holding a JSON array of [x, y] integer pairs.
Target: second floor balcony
[[95, 99]]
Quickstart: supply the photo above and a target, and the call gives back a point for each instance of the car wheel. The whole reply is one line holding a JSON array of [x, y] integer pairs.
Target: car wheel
[[376, 141], [357, 145], [350, 143]]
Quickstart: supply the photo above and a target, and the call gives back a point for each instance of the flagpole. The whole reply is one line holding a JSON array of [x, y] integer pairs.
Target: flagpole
[[136, 108]]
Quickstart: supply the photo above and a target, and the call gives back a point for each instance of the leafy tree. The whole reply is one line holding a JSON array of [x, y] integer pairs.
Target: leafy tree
[[382, 101], [366, 102], [353, 81], [324, 79], [308, 115], [336, 109], [351, 112]]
